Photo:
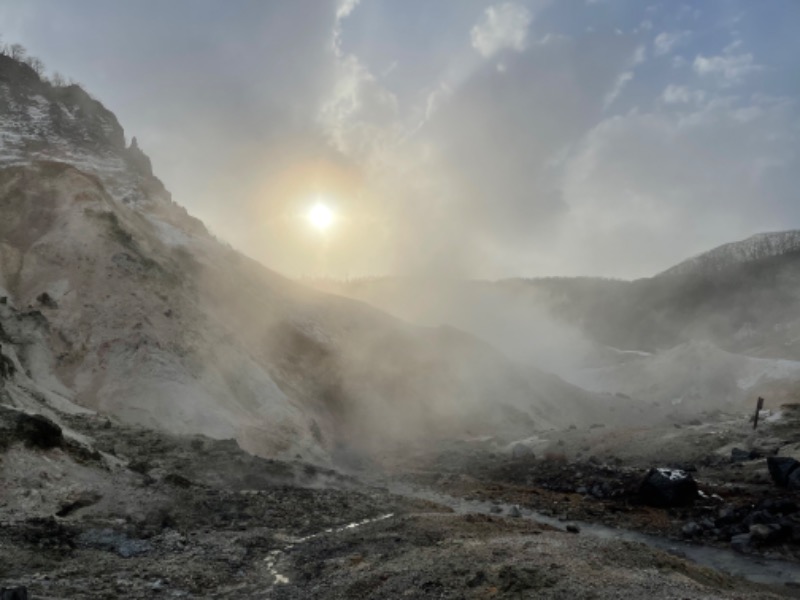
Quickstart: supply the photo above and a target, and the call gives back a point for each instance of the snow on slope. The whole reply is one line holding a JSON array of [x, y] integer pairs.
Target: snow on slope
[[756, 247]]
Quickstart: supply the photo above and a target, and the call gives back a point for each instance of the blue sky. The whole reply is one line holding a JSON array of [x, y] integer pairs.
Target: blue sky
[[486, 139]]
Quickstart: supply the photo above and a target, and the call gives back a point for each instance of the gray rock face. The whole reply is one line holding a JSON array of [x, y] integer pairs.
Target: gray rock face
[[72, 115]]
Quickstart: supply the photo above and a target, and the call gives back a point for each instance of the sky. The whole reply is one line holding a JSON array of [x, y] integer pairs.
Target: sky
[[451, 138]]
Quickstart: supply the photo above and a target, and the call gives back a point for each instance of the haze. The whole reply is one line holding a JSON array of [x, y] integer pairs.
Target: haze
[[470, 138]]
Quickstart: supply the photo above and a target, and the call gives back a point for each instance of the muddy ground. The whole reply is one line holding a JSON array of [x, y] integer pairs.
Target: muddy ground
[[103, 510]]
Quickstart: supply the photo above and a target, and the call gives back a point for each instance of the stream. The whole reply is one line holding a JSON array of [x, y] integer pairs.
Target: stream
[[752, 568]]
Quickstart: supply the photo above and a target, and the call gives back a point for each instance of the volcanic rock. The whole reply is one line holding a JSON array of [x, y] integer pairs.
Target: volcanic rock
[[766, 533], [781, 468], [668, 488], [39, 431]]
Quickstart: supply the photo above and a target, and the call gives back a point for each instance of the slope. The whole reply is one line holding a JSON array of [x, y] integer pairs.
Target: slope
[[150, 318]]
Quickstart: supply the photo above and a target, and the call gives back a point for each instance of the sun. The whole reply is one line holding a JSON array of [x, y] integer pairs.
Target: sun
[[320, 216]]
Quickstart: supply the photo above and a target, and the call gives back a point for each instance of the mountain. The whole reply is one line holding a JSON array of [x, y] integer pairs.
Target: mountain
[[140, 313], [718, 329], [755, 248], [740, 296]]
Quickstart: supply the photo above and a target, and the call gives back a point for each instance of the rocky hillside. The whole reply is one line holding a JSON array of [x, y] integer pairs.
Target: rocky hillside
[[739, 296], [144, 315], [755, 248]]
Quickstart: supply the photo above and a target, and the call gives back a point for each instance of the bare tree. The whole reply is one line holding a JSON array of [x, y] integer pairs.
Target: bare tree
[[18, 52], [58, 80], [36, 64]]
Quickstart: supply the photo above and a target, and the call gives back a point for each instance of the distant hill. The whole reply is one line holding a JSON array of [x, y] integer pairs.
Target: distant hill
[[741, 296], [755, 248]]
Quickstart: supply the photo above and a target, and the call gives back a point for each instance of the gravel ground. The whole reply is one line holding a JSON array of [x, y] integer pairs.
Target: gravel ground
[[118, 512]]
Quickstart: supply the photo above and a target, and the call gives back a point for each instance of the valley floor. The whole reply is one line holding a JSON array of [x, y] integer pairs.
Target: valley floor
[[109, 511]]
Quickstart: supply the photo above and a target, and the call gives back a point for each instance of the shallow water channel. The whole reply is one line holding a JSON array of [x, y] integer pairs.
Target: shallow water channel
[[752, 568]]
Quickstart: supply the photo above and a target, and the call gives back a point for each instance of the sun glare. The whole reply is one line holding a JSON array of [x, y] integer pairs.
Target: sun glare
[[320, 216]]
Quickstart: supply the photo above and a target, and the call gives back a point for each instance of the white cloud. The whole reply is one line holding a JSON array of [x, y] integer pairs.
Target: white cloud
[[345, 7], [679, 94], [503, 26], [436, 98], [343, 10], [676, 94], [639, 56], [616, 90], [539, 187], [358, 114], [643, 177], [732, 68], [665, 42]]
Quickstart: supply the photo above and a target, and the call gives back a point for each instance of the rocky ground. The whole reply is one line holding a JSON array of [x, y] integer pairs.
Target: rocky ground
[[596, 476], [95, 509]]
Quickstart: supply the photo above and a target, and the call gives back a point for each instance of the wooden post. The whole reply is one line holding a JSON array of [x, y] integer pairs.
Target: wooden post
[[759, 406]]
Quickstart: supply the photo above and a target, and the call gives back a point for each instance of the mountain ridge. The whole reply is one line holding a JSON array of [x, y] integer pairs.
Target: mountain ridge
[[756, 247]]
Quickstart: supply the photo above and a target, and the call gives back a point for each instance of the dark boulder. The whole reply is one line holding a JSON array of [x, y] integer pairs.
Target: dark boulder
[[39, 431], [667, 488], [17, 593], [779, 506], [781, 468], [794, 480], [46, 300]]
